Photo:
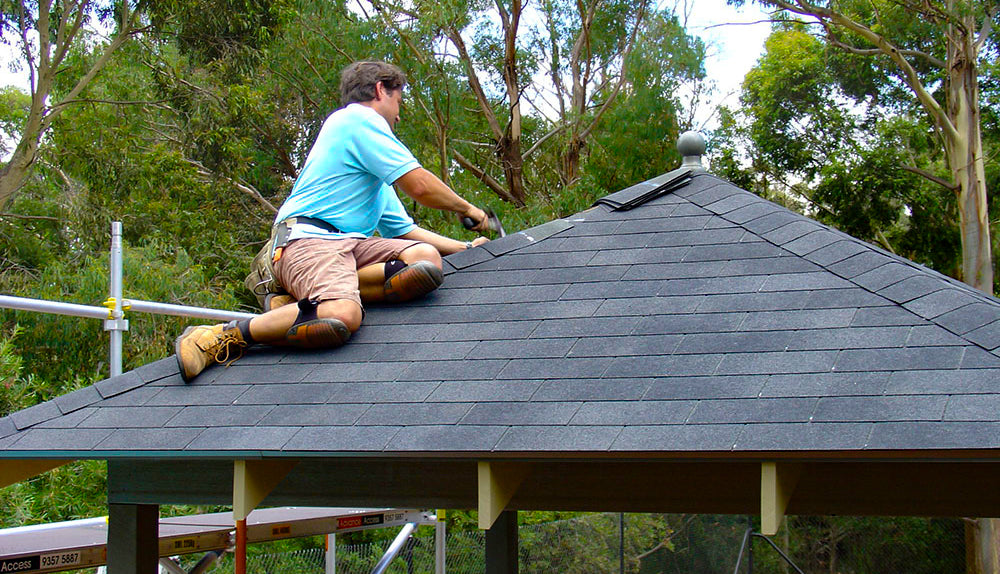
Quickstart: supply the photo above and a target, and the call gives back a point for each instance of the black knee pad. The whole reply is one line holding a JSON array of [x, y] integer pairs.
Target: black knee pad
[[307, 311]]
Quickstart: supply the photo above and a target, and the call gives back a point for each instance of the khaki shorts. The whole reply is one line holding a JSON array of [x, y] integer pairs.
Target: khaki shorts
[[327, 269]]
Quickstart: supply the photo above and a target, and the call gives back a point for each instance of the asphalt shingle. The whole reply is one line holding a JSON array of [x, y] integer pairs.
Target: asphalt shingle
[[706, 320]]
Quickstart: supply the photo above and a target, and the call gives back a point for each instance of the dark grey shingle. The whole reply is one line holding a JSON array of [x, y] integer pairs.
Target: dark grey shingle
[[219, 416], [623, 346], [777, 362], [912, 287], [859, 264], [677, 438], [725, 387], [804, 319], [641, 306], [604, 389], [973, 408], [167, 439], [131, 418], [446, 438], [521, 348], [197, 394], [484, 391], [450, 370], [58, 439], [791, 231], [740, 342], [812, 241], [725, 411], [882, 277], [987, 336], [665, 366], [552, 413], [969, 318], [751, 211], [945, 382], [314, 415], [803, 437], [826, 385], [902, 359], [556, 439], [692, 323], [569, 368], [876, 409], [300, 394], [849, 338], [34, 414], [120, 384], [938, 303], [237, 438], [934, 435], [835, 252], [414, 414], [803, 281], [77, 399], [372, 392], [632, 412], [157, 370]]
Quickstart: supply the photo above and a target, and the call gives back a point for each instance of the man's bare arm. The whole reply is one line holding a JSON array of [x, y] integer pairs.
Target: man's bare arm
[[427, 189], [445, 245]]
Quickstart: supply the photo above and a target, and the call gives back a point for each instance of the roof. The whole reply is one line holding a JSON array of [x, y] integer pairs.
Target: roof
[[706, 320]]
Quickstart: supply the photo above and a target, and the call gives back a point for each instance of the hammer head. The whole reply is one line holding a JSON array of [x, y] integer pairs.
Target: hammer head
[[492, 222]]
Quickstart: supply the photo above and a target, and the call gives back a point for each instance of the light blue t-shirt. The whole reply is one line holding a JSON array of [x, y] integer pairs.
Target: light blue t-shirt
[[346, 179]]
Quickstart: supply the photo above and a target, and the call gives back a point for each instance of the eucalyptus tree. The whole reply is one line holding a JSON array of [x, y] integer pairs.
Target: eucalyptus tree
[[45, 33], [933, 50]]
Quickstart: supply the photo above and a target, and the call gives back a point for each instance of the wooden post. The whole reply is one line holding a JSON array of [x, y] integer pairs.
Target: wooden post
[[133, 539], [501, 544]]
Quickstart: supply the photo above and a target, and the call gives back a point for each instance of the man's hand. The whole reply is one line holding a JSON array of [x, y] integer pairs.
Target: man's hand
[[478, 216], [479, 241]]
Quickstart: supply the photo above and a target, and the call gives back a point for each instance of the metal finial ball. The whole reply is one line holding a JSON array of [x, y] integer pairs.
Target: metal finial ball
[[691, 144]]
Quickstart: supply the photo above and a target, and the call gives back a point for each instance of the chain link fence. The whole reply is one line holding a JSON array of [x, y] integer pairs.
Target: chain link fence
[[666, 544]]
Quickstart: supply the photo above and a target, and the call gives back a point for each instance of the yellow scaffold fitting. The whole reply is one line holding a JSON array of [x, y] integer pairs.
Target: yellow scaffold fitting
[[111, 303]]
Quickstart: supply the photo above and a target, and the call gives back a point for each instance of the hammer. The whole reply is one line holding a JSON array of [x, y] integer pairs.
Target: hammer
[[492, 222]]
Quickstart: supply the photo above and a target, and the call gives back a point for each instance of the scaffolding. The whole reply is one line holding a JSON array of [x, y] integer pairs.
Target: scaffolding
[[112, 311]]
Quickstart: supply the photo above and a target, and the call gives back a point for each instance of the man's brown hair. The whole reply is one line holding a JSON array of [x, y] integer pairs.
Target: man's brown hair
[[357, 81]]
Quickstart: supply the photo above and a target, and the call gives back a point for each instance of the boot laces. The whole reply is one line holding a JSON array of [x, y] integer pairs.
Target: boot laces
[[228, 348]]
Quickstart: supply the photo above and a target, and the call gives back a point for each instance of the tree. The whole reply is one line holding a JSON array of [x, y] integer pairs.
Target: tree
[[943, 44], [46, 32]]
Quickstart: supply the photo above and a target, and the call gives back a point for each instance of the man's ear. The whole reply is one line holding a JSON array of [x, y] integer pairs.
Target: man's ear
[[379, 90]]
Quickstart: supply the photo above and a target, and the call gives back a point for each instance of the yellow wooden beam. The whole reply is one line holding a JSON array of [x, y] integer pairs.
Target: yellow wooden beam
[[253, 480], [15, 470], [777, 483], [498, 481]]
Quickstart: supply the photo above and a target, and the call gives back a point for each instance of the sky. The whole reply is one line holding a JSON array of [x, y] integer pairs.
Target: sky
[[735, 41]]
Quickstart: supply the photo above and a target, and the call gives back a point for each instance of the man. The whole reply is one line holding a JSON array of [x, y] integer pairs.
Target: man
[[325, 254]]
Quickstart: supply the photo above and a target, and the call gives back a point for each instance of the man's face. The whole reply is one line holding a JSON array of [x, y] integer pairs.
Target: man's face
[[388, 104]]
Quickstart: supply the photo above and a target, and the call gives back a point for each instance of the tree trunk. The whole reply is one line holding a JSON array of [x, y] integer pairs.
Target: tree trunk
[[982, 541], [965, 158], [509, 153]]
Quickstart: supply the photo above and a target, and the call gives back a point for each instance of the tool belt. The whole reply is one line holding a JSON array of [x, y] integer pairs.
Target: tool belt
[[262, 279]]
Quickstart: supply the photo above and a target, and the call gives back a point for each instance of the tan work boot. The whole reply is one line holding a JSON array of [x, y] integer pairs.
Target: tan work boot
[[201, 346], [274, 300], [318, 334], [413, 281]]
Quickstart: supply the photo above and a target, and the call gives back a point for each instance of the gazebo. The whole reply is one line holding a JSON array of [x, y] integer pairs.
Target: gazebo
[[682, 346]]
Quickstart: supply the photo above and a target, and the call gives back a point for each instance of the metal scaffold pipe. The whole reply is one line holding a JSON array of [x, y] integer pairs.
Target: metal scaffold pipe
[[184, 311], [53, 307], [113, 309], [116, 325]]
